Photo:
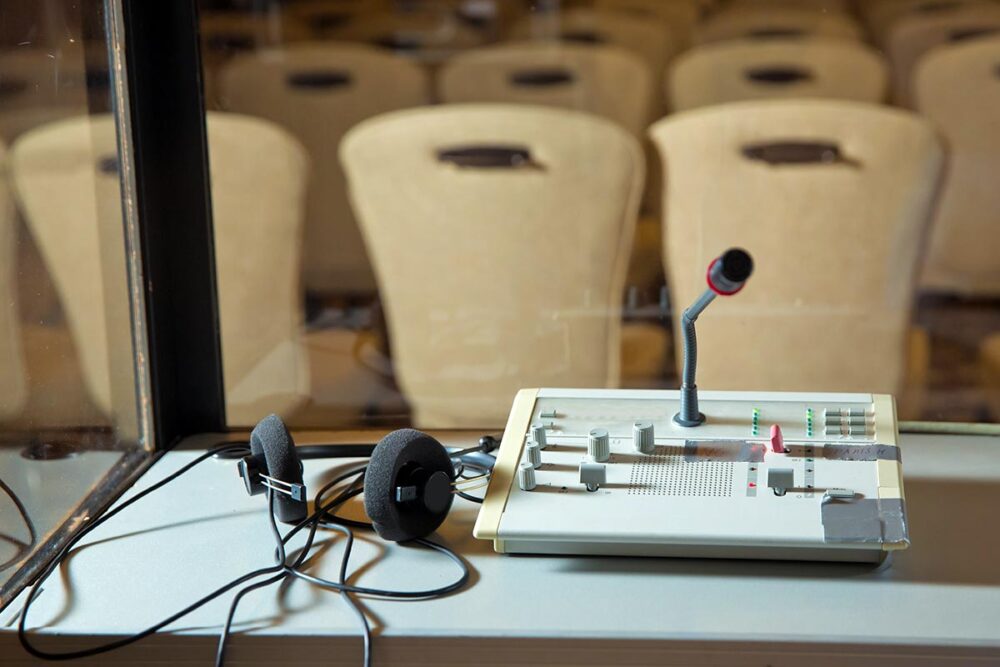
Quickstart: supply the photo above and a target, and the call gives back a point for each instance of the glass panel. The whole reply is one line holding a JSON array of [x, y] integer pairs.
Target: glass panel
[[68, 407], [421, 206]]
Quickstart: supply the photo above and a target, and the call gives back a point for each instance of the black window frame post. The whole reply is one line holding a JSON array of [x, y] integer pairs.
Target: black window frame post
[[174, 218]]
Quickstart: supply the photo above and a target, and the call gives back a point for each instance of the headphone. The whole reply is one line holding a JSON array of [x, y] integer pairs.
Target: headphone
[[409, 483]]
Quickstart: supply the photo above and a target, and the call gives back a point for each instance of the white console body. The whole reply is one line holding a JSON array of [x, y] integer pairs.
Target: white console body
[[702, 491]]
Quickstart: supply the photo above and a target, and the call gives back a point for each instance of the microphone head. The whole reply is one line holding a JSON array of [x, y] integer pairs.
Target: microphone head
[[728, 273]]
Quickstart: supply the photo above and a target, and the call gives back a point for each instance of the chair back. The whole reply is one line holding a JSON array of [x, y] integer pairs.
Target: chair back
[[604, 80], [317, 92], [914, 36], [67, 182], [14, 388], [768, 23], [957, 87], [741, 70], [832, 199], [500, 235]]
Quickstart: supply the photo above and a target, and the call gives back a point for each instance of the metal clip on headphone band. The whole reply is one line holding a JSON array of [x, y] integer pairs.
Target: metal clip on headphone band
[[295, 491]]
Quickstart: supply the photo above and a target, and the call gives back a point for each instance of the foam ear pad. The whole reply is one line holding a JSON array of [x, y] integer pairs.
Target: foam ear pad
[[394, 457], [271, 437]]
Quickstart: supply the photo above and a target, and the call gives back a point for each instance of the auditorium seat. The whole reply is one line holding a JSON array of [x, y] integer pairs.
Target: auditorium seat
[[318, 91], [832, 199], [767, 23], [322, 18], [680, 15], [428, 35], [225, 35], [604, 80], [989, 366], [841, 6], [910, 38], [647, 37], [13, 389], [738, 70], [67, 184], [39, 86], [881, 15], [518, 222], [957, 87]]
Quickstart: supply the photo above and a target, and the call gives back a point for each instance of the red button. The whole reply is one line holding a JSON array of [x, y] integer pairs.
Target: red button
[[777, 440]]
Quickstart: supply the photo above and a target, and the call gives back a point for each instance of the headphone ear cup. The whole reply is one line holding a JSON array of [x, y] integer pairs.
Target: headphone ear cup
[[271, 437], [400, 450]]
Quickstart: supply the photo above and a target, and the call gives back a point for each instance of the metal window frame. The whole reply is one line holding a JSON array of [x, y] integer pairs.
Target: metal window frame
[[173, 218], [158, 108]]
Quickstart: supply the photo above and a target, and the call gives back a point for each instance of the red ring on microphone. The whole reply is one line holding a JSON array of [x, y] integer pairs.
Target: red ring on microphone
[[708, 279]]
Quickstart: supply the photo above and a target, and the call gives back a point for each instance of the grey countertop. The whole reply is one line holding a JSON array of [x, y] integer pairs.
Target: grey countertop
[[937, 601]]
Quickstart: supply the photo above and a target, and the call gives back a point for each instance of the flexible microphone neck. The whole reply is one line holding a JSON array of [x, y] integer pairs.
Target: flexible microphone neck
[[726, 276]]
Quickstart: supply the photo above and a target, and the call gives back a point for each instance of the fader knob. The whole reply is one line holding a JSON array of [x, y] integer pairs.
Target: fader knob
[[642, 437], [526, 476], [593, 475], [599, 445], [538, 435], [534, 455]]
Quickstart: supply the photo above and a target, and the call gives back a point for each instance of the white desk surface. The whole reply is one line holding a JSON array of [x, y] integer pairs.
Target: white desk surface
[[936, 603]]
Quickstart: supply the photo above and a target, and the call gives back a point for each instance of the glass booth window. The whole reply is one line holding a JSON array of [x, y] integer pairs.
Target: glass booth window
[[68, 406], [439, 202]]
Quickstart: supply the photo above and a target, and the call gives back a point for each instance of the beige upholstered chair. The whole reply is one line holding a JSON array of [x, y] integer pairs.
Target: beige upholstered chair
[[38, 86], [880, 16], [496, 278], [67, 183], [13, 385], [225, 35], [842, 6], [680, 15], [747, 70], [836, 242], [989, 368], [429, 35], [913, 36], [649, 38], [318, 92], [604, 80], [958, 89], [771, 22], [322, 17]]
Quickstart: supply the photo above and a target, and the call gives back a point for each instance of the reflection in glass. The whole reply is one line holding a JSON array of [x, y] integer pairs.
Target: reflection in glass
[[431, 289], [67, 380]]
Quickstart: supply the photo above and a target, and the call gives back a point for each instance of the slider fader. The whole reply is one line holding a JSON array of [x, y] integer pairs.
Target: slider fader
[[809, 476]]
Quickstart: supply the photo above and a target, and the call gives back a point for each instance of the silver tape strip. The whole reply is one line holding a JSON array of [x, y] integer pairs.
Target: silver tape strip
[[864, 521]]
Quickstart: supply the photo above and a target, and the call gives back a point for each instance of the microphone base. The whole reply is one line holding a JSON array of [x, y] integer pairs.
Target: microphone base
[[687, 423]]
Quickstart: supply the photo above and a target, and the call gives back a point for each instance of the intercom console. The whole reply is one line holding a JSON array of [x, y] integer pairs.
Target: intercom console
[[809, 476]]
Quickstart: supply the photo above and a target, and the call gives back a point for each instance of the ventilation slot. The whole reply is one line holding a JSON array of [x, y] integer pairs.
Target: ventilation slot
[[664, 474]]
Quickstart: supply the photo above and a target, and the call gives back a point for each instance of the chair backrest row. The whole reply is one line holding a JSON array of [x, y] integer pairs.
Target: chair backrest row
[[494, 270], [542, 307], [655, 30], [496, 273], [66, 179], [958, 89], [319, 91], [833, 200]]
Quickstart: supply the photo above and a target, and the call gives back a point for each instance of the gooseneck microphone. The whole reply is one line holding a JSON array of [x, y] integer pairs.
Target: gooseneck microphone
[[726, 276]]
